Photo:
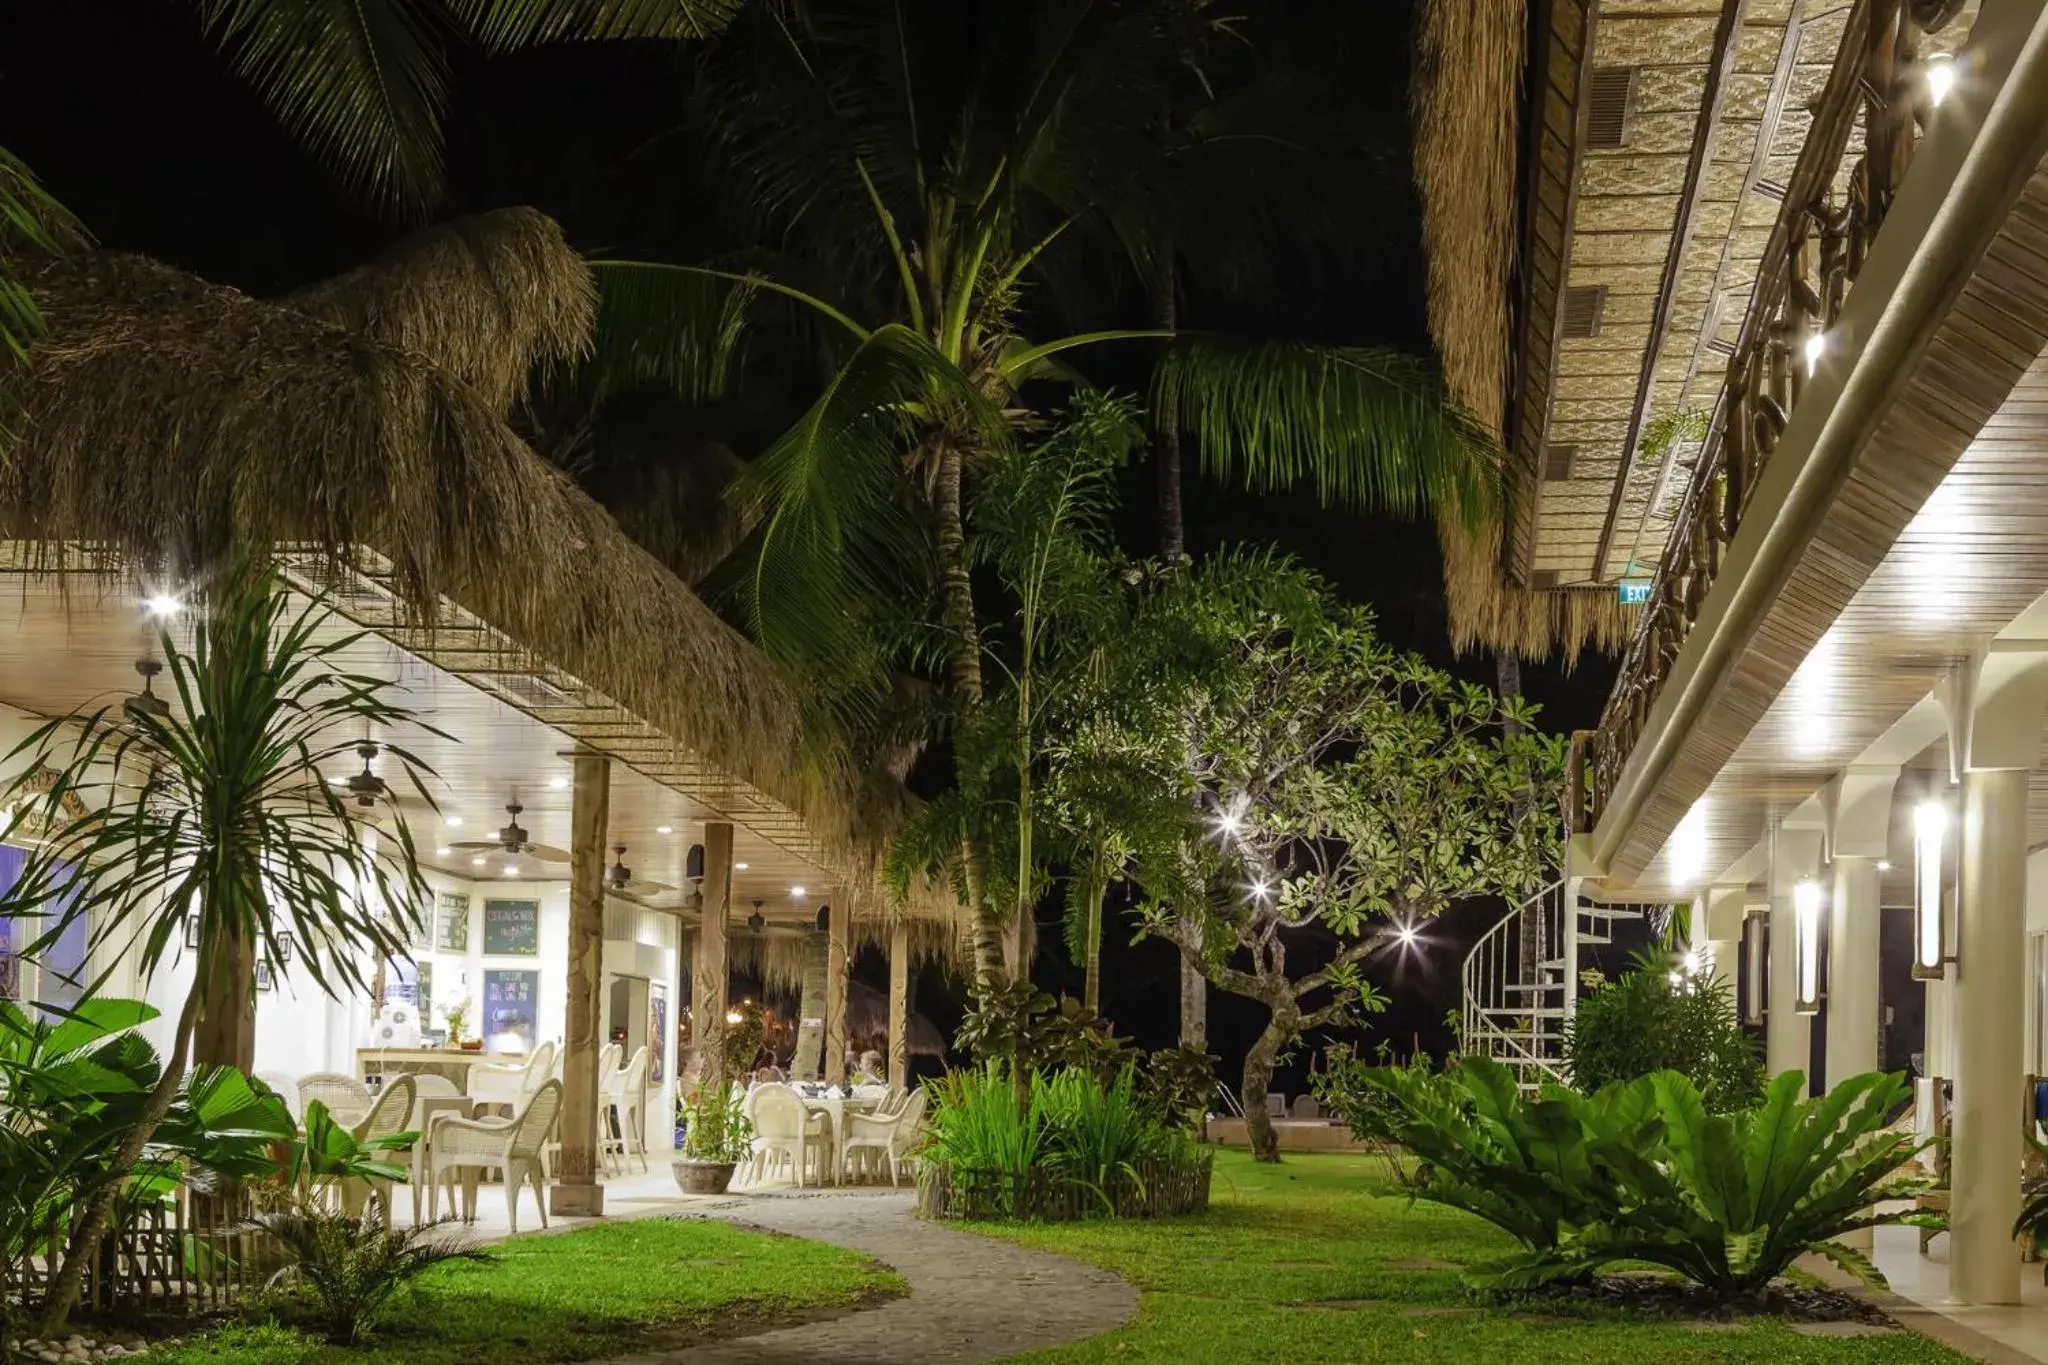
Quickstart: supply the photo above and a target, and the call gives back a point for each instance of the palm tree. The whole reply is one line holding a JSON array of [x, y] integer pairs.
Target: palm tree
[[29, 219], [916, 168], [215, 808], [364, 84]]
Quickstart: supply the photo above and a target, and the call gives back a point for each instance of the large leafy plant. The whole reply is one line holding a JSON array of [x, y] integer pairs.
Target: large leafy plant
[[1641, 1171], [1648, 1020], [716, 1127]]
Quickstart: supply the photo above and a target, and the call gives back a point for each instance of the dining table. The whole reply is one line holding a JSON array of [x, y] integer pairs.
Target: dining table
[[837, 1107]]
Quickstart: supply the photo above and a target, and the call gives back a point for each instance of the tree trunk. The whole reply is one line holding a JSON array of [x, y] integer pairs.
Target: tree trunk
[[809, 1062], [1258, 1077], [1091, 992], [84, 1247], [963, 657], [225, 1034], [1166, 438]]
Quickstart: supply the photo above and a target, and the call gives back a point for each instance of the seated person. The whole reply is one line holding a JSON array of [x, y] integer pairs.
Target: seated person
[[870, 1070]]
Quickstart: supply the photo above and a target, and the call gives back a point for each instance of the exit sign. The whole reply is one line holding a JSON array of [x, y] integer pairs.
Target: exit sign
[[1635, 591]]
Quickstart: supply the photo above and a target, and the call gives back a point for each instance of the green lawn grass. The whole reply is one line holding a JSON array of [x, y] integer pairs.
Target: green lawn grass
[[1312, 1261], [602, 1291]]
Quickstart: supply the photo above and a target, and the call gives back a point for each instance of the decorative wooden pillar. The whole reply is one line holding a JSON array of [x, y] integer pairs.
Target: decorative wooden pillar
[[577, 1190], [710, 981], [899, 1005], [809, 1061], [838, 944]]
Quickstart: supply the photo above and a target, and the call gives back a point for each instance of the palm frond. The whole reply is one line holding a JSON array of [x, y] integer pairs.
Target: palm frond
[[840, 539], [676, 326], [29, 220], [363, 83], [507, 25], [1363, 427]]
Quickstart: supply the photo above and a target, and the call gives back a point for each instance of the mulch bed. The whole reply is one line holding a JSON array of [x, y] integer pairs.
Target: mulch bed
[[1656, 1295]]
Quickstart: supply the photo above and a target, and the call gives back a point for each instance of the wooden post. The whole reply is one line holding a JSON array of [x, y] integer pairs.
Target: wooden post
[[899, 1005], [839, 939], [577, 1190], [710, 980]]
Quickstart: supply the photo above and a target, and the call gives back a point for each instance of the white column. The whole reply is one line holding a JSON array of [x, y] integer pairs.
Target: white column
[[1788, 1035], [1990, 1002], [1720, 931], [2004, 698], [1853, 912]]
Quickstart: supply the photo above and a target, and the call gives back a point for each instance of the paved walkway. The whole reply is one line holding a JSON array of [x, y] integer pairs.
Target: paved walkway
[[971, 1298]]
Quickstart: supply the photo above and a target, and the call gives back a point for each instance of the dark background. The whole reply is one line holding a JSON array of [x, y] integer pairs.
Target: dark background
[[138, 127]]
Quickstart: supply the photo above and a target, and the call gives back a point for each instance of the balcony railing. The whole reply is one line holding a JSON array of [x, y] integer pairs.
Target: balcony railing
[[1880, 86]]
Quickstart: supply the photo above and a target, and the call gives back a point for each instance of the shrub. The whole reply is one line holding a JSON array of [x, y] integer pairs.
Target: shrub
[[348, 1268], [715, 1125], [1642, 1171], [1644, 1022]]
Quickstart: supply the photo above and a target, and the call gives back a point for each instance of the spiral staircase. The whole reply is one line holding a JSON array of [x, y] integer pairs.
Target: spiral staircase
[[1520, 980]]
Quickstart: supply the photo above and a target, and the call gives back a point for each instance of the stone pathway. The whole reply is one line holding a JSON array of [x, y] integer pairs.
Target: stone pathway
[[971, 1298]]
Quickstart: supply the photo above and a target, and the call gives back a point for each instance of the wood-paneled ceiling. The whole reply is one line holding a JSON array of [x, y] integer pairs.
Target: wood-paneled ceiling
[[73, 642], [1669, 223]]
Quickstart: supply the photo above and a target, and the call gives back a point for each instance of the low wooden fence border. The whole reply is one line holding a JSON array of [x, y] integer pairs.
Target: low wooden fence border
[[1160, 1189], [187, 1257]]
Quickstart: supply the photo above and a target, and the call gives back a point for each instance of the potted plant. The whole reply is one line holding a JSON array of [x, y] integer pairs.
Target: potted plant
[[457, 1019], [716, 1137]]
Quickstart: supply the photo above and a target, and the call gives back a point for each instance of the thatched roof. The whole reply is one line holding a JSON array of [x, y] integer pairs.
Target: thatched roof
[[1467, 116], [170, 419], [486, 298]]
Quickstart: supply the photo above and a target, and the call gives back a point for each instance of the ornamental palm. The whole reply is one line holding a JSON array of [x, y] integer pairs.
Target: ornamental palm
[[216, 808], [915, 168]]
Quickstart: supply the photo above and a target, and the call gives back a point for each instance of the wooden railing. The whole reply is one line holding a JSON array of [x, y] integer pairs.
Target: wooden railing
[[1812, 258], [1153, 1189]]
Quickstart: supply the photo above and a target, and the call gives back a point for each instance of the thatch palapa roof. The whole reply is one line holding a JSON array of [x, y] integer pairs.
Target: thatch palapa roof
[[172, 421], [1466, 112]]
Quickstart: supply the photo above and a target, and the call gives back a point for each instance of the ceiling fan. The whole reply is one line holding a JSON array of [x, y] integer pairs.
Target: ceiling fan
[[513, 842], [619, 878]]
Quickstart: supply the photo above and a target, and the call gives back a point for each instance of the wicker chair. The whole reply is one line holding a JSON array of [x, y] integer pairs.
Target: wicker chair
[[512, 1086], [286, 1087], [889, 1135], [784, 1128], [621, 1110], [390, 1115], [347, 1099], [469, 1147]]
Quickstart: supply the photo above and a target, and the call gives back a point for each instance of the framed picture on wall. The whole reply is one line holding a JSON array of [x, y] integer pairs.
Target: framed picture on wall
[[511, 1008], [192, 932], [264, 980], [451, 922], [511, 928], [284, 947], [657, 1033]]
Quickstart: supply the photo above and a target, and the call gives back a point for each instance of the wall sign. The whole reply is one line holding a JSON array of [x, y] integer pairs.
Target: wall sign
[[511, 928], [511, 1005], [451, 922]]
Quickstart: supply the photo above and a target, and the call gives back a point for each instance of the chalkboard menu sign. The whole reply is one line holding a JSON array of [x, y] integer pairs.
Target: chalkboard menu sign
[[451, 918], [512, 928], [511, 1005]]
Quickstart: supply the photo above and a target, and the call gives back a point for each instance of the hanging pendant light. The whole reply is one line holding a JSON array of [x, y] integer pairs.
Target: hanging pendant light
[[757, 922], [366, 788]]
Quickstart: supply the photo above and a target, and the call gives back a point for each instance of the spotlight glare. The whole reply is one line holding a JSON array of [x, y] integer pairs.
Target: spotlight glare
[[161, 604], [1941, 78]]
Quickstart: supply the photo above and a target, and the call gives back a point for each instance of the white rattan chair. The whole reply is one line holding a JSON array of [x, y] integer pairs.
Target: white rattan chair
[[889, 1135], [469, 1147], [347, 1099], [391, 1114], [622, 1110], [425, 1086], [783, 1128], [287, 1088], [512, 1086]]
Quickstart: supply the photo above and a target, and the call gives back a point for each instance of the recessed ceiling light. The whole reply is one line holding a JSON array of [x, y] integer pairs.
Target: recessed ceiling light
[[1883, 865], [443, 852], [796, 892], [739, 867], [664, 829], [337, 782], [453, 822], [509, 870], [558, 782], [476, 862]]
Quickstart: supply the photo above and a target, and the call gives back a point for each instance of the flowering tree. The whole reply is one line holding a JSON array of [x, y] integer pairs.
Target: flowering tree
[[1350, 792]]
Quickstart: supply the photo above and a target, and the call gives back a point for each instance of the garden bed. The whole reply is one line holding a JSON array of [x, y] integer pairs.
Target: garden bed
[[1157, 1189]]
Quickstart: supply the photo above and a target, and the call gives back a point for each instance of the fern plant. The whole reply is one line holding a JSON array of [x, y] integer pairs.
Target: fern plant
[[348, 1268]]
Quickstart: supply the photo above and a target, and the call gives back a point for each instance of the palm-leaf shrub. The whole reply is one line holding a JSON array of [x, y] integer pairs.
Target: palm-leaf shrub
[[1096, 1134], [350, 1267], [1642, 1171], [978, 1124]]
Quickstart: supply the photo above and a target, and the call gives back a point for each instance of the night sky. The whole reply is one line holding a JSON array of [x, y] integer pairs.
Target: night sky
[[140, 129]]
